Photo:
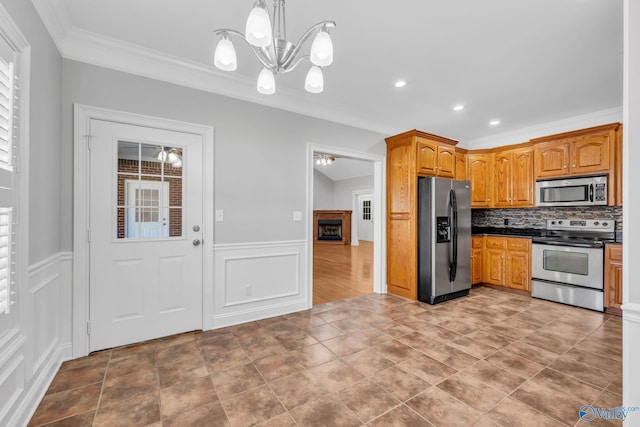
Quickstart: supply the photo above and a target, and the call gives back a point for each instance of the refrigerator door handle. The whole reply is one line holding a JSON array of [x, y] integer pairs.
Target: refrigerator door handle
[[453, 256]]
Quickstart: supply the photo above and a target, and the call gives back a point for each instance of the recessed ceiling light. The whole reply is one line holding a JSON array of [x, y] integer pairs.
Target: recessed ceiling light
[[400, 83], [458, 108], [494, 122]]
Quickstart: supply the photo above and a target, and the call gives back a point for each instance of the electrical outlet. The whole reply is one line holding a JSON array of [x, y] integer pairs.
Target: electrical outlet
[[247, 291], [297, 215], [219, 215]]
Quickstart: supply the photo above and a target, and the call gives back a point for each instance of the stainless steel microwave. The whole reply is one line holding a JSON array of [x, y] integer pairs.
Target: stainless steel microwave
[[584, 191]]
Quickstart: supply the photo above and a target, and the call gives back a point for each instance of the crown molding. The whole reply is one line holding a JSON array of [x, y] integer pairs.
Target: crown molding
[[550, 128], [95, 49], [55, 18]]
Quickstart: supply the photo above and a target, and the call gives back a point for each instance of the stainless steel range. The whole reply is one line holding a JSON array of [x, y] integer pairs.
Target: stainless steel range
[[568, 262]]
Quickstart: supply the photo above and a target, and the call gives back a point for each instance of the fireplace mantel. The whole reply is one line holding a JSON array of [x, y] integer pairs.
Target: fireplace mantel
[[343, 216]]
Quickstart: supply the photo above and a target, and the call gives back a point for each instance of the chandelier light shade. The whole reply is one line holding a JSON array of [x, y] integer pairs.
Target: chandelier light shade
[[314, 83], [258, 29], [322, 49], [266, 82], [266, 35], [225, 56]]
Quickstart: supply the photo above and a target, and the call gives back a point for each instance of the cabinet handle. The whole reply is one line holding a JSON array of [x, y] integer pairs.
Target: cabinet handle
[[565, 166], [574, 165]]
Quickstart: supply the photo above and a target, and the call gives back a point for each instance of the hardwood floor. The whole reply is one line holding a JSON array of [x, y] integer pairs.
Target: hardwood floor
[[342, 271]]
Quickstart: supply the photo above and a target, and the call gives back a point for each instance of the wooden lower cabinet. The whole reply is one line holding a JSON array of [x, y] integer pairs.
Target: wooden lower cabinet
[[613, 276], [507, 262], [476, 260], [518, 264]]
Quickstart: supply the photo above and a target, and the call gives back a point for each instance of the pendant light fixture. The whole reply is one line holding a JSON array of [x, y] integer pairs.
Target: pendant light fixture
[[267, 37]]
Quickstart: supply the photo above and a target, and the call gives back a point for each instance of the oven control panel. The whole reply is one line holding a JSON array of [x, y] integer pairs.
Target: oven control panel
[[604, 225]]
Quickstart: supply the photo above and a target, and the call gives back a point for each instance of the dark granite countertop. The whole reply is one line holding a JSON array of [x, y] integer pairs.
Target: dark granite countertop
[[508, 231], [521, 232]]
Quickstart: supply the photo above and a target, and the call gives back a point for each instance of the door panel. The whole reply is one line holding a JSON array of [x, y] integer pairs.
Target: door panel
[[146, 276]]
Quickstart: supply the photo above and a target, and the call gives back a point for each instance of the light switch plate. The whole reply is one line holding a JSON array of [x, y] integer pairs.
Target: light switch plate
[[219, 215], [297, 215]]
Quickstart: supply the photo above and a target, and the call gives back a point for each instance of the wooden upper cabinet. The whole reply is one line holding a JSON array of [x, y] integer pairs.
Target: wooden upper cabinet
[[461, 165], [583, 152], [479, 168], [592, 153], [427, 157], [502, 180], [446, 161], [435, 158], [523, 183], [552, 159], [513, 182]]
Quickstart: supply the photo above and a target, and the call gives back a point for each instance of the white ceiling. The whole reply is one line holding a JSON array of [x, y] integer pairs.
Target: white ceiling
[[346, 168], [522, 62]]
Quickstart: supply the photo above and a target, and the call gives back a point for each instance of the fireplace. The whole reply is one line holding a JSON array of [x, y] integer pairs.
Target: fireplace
[[329, 229], [332, 227]]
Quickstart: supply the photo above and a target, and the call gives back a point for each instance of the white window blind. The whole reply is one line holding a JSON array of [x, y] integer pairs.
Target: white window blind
[[9, 103]]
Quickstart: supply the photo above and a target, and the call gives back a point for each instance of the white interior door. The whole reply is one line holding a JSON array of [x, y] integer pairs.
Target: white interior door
[[145, 219], [365, 217]]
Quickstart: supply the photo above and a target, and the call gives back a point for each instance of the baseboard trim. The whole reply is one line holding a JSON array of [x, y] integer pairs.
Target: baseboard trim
[[244, 316], [631, 312]]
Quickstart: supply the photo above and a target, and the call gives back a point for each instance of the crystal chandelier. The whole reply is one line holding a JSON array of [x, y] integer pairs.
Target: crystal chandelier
[[274, 51]]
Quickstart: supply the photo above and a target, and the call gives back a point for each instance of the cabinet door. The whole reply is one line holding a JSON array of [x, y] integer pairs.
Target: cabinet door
[[427, 157], [502, 180], [461, 166], [400, 180], [480, 178], [523, 183], [476, 259], [552, 159], [613, 276], [518, 264], [446, 161], [591, 154], [476, 266], [493, 272]]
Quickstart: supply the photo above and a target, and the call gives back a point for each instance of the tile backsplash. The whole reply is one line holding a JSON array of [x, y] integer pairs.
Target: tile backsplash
[[535, 217]]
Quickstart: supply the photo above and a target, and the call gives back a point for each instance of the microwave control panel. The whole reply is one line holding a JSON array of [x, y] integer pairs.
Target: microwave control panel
[[600, 193]]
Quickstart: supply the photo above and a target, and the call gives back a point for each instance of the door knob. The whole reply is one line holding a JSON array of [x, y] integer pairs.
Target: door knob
[[196, 242]]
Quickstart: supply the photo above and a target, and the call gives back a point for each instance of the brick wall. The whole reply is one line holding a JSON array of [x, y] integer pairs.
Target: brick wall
[[153, 168]]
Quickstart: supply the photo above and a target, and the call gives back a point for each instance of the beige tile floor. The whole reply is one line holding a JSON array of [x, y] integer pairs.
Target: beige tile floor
[[493, 358]]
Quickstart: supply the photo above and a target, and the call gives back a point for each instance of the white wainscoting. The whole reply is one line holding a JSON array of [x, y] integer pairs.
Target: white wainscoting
[[254, 281], [630, 365], [31, 353]]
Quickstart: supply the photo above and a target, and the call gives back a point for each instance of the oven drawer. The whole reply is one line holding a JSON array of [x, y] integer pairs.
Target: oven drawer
[[573, 295]]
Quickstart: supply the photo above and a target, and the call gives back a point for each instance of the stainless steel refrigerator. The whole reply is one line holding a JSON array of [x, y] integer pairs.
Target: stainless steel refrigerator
[[444, 239]]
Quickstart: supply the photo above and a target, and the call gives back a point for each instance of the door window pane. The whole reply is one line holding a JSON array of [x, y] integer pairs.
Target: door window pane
[[150, 191]]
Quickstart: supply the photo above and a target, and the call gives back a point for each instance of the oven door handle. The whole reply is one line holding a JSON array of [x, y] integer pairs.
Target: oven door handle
[[568, 245], [591, 193]]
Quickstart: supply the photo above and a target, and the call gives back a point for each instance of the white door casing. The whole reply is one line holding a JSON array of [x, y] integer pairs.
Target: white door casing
[[170, 301], [144, 284]]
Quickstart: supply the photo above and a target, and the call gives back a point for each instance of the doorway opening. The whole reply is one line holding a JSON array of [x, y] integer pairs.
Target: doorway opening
[[349, 189]]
